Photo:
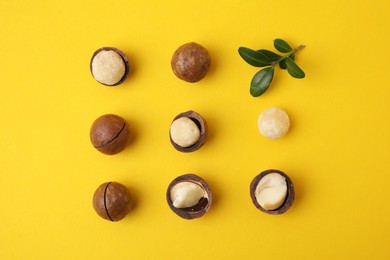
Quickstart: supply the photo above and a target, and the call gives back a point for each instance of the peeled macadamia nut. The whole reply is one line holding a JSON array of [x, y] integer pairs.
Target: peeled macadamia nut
[[109, 134], [109, 66], [112, 201], [271, 191], [186, 194], [188, 132], [273, 123], [184, 132], [190, 62], [189, 196]]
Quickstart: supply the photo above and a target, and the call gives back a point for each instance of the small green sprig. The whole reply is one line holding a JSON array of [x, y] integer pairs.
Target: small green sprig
[[265, 58]]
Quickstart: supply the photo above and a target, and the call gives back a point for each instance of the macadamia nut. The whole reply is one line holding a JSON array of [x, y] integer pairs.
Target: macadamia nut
[[190, 62], [109, 134], [189, 196], [271, 191], [108, 67], [112, 201], [184, 132], [273, 123], [186, 194]]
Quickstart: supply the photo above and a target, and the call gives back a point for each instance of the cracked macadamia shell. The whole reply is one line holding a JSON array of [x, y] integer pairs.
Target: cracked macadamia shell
[[109, 66], [192, 138], [194, 211], [190, 62], [112, 201], [288, 198], [109, 134]]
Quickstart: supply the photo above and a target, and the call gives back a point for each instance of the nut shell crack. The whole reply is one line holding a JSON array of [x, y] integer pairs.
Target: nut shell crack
[[110, 141]]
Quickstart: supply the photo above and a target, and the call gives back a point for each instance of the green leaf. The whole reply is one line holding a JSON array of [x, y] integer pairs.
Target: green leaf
[[254, 58], [269, 55], [293, 69], [282, 63], [282, 46], [261, 81]]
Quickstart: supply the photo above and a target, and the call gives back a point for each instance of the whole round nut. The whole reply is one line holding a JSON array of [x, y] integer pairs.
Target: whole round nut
[[279, 200], [109, 134], [273, 123], [181, 199], [190, 62], [112, 201], [109, 66], [175, 135]]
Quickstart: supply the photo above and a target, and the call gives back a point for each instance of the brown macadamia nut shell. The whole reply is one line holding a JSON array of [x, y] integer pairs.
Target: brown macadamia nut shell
[[190, 62], [109, 134], [125, 61], [199, 209], [289, 198], [201, 124], [112, 201]]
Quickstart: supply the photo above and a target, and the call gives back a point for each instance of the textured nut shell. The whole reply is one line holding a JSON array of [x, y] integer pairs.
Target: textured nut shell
[[98, 201], [199, 209], [202, 125], [111, 201], [289, 198], [109, 134], [125, 61], [190, 62]]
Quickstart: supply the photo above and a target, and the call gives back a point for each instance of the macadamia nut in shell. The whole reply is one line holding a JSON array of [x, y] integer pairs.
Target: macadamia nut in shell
[[109, 66], [186, 194], [188, 131], [109, 134], [272, 192], [189, 196], [184, 132], [112, 201], [190, 62]]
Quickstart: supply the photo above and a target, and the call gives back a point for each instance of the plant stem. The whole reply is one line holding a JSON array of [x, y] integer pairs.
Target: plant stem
[[300, 47]]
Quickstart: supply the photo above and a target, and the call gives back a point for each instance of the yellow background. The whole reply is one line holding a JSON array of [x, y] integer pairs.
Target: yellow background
[[336, 152]]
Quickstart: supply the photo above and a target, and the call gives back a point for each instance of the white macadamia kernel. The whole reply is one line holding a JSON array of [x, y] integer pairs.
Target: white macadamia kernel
[[184, 132], [271, 191], [108, 67], [186, 194], [273, 123]]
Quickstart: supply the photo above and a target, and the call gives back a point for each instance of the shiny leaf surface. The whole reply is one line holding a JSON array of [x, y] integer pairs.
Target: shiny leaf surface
[[254, 58], [282, 46], [293, 69], [261, 81]]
